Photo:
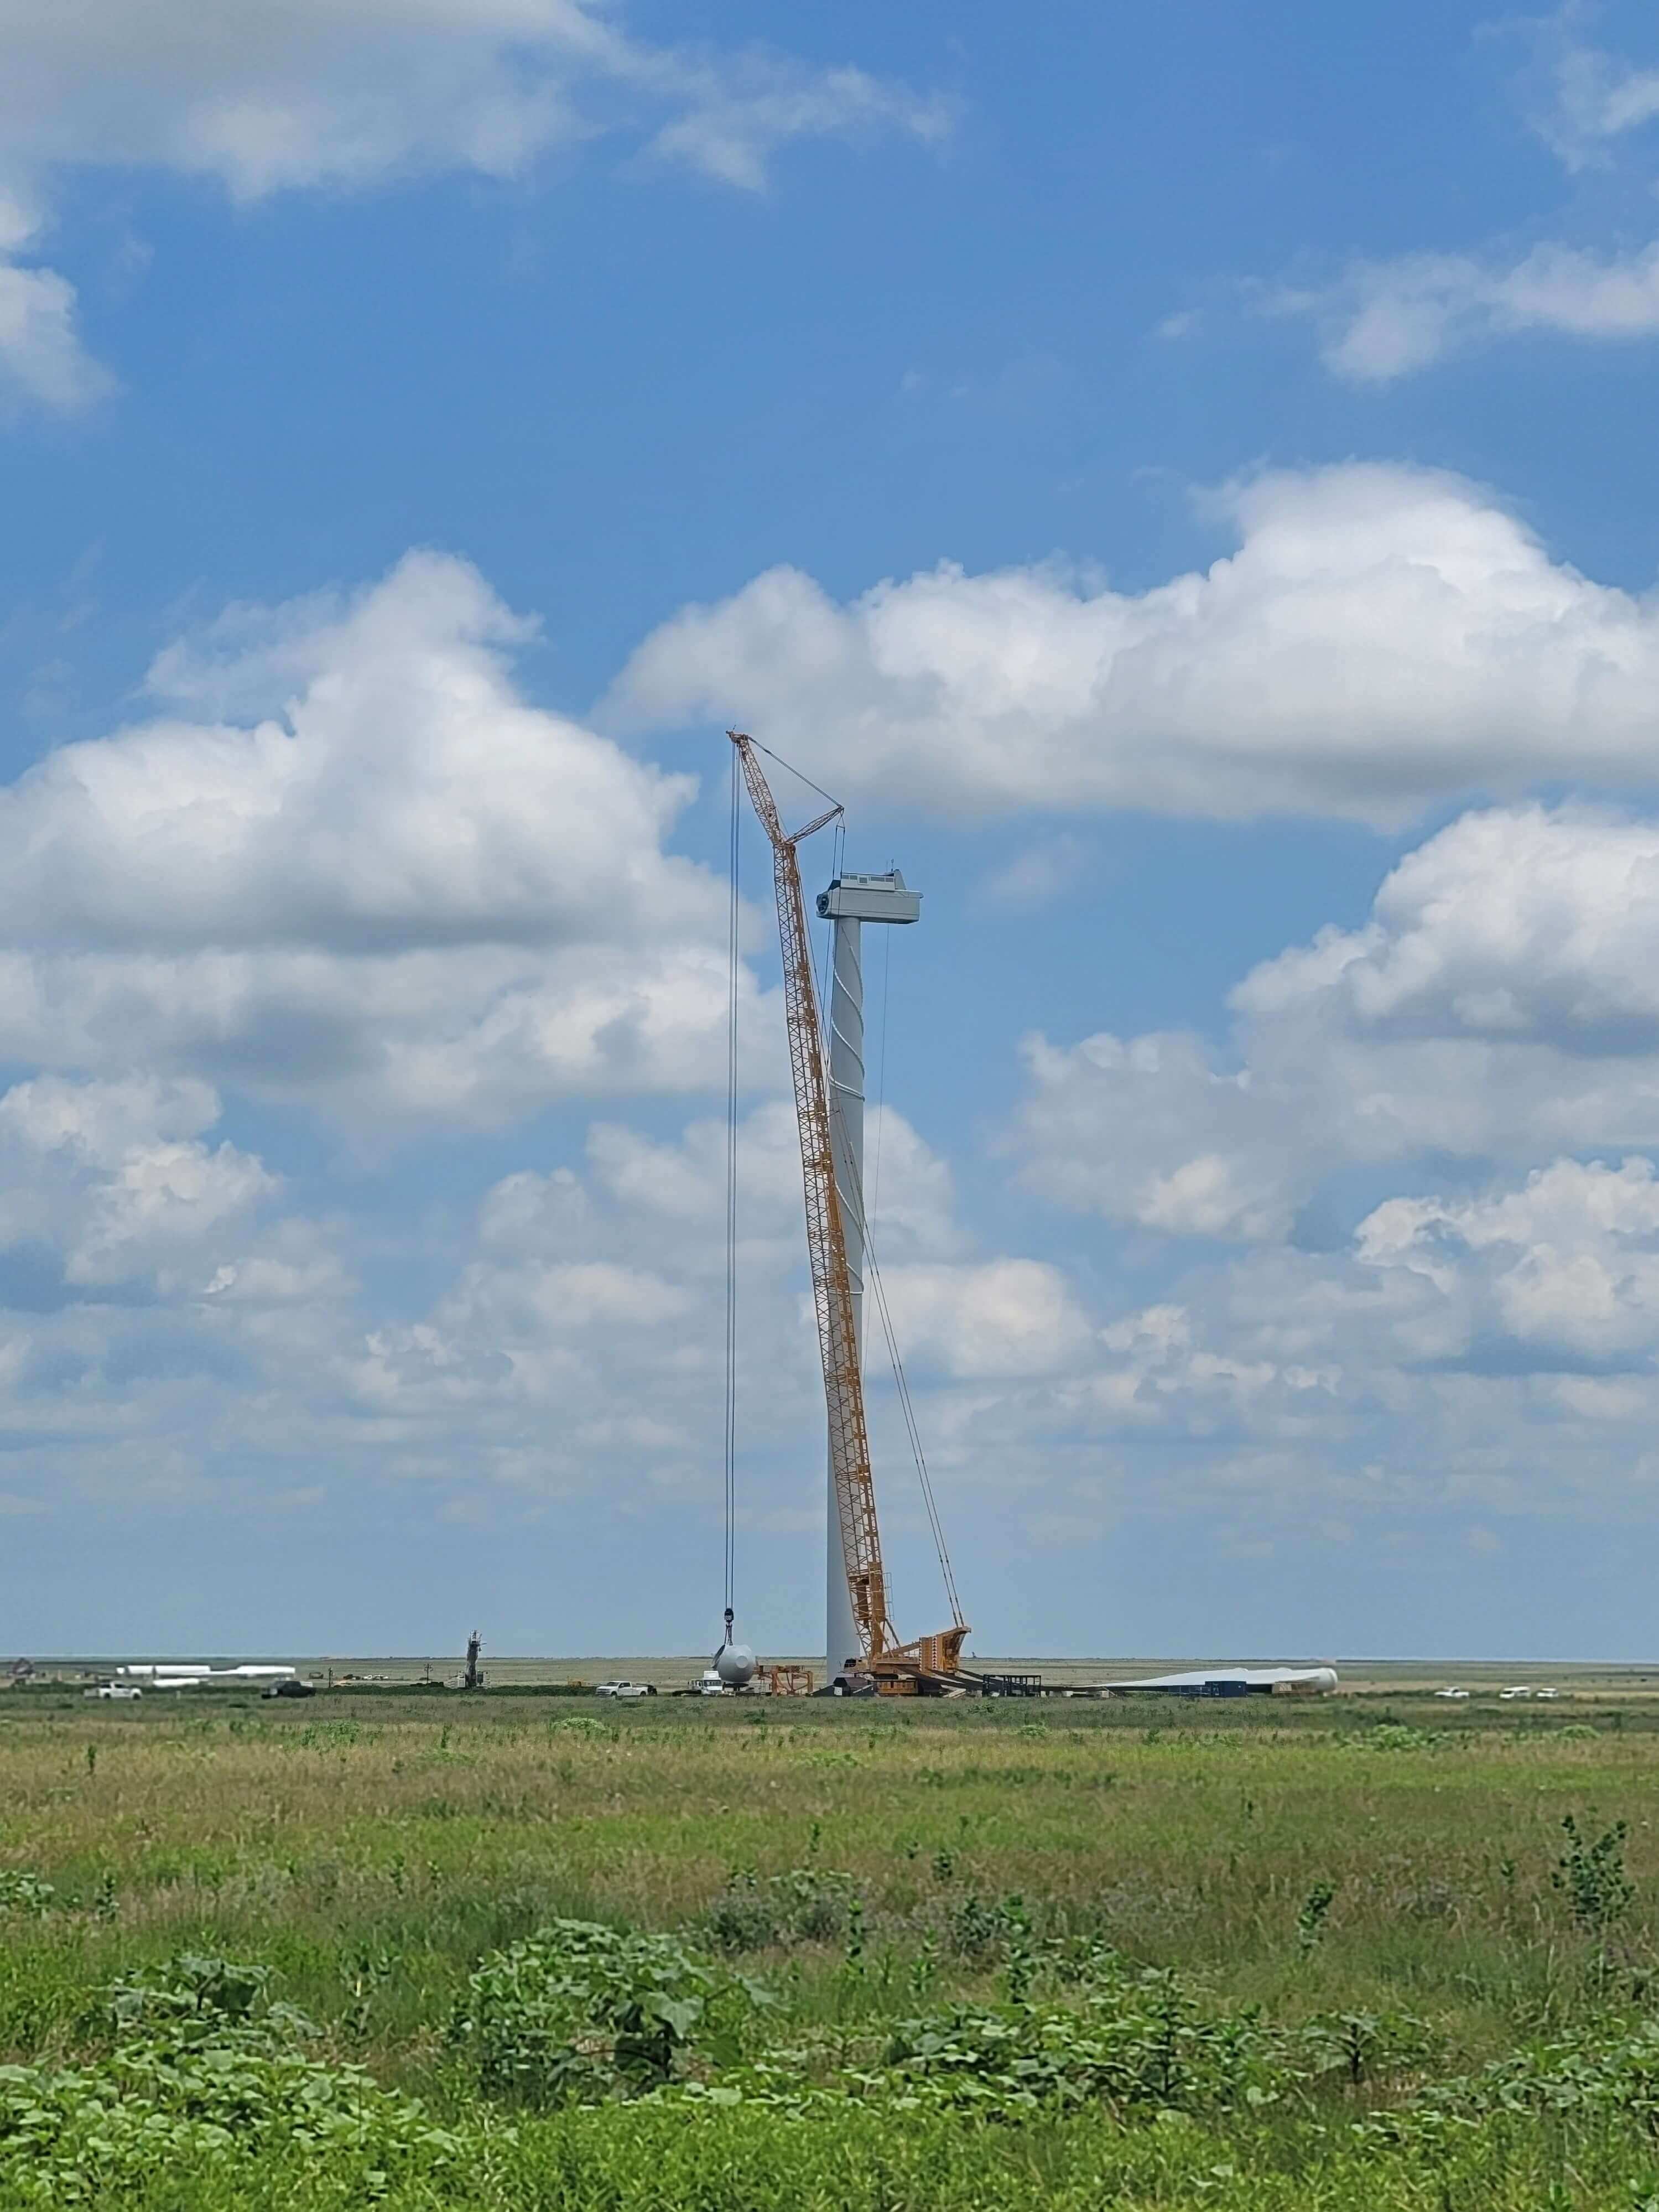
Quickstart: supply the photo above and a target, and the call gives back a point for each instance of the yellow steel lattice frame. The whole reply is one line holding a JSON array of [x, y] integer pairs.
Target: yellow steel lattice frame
[[826, 1242]]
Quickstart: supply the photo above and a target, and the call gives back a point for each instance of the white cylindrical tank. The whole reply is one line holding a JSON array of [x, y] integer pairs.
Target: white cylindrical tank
[[735, 1665]]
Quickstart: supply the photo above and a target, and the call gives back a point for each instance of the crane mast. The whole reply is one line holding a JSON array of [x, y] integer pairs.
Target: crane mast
[[898, 1669]]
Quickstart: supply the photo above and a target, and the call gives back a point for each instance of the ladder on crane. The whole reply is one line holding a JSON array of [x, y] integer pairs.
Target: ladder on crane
[[931, 1664]]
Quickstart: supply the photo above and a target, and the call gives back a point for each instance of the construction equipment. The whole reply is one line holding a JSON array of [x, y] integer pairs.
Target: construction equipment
[[733, 1664], [788, 1680], [931, 1664], [473, 1679]]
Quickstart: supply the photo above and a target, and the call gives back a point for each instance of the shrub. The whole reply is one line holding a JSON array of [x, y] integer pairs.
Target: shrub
[[202, 1998], [579, 2012], [1611, 2070], [1394, 1735], [205, 2071], [1142, 2041], [804, 1905], [1592, 1878], [977, 1930], [744, 1917]]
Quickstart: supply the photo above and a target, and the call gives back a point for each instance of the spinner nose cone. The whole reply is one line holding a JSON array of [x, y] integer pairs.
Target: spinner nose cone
[[735, 1665]]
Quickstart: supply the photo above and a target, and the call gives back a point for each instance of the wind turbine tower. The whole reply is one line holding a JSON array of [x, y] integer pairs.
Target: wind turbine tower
[[849, 903]]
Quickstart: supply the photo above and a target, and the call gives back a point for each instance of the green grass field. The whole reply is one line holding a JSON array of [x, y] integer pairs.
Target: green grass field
[[509, 1951]]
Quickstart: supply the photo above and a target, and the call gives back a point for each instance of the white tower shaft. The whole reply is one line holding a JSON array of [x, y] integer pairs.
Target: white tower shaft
[[847, 1148], [850, 902]]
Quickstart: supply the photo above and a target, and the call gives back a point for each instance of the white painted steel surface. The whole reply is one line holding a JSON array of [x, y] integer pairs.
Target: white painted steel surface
[[840, 1639], [1254, 1678], [850, 901], [735, 1665]]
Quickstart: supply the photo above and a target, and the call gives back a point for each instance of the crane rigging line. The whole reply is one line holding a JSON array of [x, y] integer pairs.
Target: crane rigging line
[[881, 1070], [900, 1381], [827, 939], [732, 1202], [796, 772], [901, 1385]]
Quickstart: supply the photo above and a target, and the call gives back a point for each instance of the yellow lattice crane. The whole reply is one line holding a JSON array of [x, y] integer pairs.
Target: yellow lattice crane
[[931, 1663]]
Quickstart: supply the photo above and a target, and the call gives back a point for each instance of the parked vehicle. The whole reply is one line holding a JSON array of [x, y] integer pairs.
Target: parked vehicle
[[122, 1690], [292, 1688], [626, 1690]]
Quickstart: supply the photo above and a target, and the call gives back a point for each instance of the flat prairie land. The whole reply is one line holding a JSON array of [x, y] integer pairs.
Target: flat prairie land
[[514, 1951], [1365, 1678]]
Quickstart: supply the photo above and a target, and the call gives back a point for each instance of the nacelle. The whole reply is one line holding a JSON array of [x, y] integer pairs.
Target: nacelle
[[870, 898]]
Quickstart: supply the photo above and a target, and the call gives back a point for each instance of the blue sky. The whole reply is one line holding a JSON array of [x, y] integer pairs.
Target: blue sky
[[1184, 476]]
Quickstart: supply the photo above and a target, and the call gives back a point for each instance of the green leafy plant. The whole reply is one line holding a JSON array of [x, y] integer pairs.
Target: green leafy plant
[[1364, 2047], [1313, 1913], [22, 1892], [1590, 1874], [1396, 1735], [205, 2071], [579, 2012], [1139, 2040], [976, 1928], [804, 1904], [744, 1917]]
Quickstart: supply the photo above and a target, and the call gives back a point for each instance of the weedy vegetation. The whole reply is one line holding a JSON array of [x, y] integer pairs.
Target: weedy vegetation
[[955, 1958]]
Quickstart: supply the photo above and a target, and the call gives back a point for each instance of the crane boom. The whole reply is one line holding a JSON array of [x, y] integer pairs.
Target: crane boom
[[895, 1667]]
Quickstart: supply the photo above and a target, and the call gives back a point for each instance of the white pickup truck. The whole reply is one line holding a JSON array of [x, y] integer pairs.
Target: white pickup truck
[[122, 1690], [626, 1690]]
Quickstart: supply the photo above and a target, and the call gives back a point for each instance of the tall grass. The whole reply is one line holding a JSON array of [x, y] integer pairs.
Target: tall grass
[[371, 1853]]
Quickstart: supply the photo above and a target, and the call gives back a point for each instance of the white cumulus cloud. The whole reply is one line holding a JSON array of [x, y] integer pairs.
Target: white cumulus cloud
[[343, 95], [42, 359], [598, 1294], [349, 92], [404, 893], [1382, 637], [116, 1178], [1568, 1265], [1499, 1005], [1379, 319], [1384, 319]]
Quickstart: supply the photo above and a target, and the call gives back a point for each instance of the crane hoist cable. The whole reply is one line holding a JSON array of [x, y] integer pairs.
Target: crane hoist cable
[[901, 1386], [863, 1213], [881, 1070], [732, 1209], [901, 1381]]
